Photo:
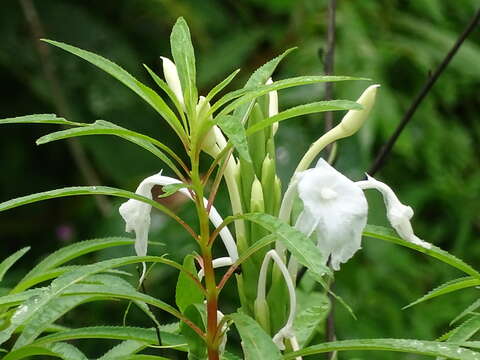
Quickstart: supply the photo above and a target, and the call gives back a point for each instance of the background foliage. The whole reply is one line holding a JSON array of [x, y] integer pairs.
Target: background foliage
[[434, 166]]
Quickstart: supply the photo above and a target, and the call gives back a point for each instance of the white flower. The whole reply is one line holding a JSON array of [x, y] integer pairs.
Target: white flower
[[335, 208], [398, 215], [286, 332], [137, 216], [171, 77]]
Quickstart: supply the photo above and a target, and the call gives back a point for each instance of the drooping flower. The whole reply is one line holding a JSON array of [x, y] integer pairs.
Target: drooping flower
[[398, 215], [335, 208], [137, 215]]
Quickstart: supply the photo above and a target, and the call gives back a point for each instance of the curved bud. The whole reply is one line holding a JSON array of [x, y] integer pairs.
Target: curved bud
[[272, 105], [354, 119], [171, 77]]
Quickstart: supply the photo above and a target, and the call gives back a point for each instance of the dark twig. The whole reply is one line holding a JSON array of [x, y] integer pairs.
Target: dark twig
[[386, 149], [60, 102]]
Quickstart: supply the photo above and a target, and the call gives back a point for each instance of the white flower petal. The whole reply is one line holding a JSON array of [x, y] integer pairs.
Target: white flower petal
[[336, 208], [137, 215], [398, 215], [171, 77]]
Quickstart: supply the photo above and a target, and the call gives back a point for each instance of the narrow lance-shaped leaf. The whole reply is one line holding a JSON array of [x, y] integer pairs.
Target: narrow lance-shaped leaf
[[233, 128], [186, 292], [448, 287], [259, 77], [299, 245], [60, 285], [147, 94], [82, 190], [256, 343], [148, 336], [220, 86], [102, 127], [60, 350], [184, 57], [312, 108], [431, 348], [382, 233], [245, 95], [70, 252], [9, 261], [39, 119], [164, 86]]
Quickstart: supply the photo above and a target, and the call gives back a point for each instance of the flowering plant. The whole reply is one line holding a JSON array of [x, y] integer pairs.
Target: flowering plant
[[237, 131]]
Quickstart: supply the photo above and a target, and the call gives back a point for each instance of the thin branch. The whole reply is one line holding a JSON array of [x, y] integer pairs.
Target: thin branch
[[329, 61], [387, 148], [61, 104]]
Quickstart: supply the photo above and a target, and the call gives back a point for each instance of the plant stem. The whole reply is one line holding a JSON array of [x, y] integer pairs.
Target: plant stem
[[206, 251]]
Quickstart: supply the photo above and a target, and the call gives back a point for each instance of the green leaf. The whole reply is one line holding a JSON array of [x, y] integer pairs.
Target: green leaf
[[62, 285], [448, 287], [123, 349], [312, 108], [256, 343], [259, 77], [471, 308], [147, 94], [170, 189], [248, 94], [431, 348], [68, 253], [82, 190], [186, 292], [60, 350], [197, 349], [465, 331], [102, 127], [50, 313], [233, 128], [219, 87], [12, 259], [184, 58], [382, 233], [299, 245], [39, 119], [147, 336], [164, 86], [308, 320]]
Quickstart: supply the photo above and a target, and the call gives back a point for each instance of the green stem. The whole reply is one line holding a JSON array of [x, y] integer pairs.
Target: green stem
[[206, 250]]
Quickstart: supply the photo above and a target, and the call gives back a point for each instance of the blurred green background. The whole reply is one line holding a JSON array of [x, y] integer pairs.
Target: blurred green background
[[434, 166]]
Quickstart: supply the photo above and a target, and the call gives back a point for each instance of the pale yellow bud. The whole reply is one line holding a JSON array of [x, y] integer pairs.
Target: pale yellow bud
[[354, 119], [171, 77]]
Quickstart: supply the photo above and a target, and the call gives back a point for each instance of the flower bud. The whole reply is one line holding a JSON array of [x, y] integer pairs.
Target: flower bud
[[262, 314], [354, 119], [171, 77], [272, 105]]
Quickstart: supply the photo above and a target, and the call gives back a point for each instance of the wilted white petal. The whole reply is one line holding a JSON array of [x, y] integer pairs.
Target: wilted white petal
[[171, 77], [137, 215], [398, 215], [335, 208]]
